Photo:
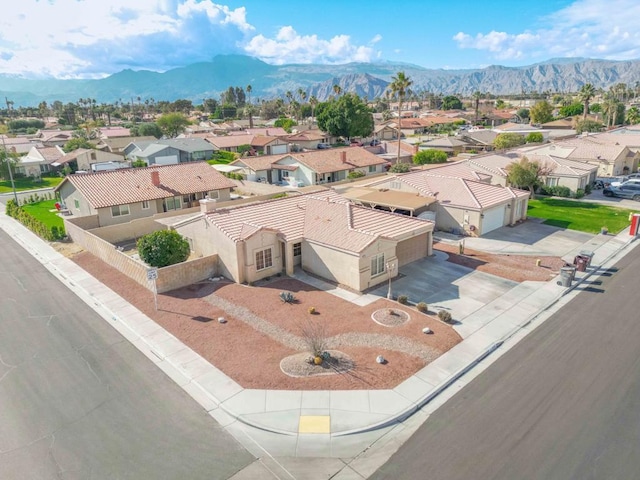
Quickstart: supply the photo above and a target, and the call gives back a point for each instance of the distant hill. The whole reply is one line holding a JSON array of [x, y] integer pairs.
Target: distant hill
[[209, 79]]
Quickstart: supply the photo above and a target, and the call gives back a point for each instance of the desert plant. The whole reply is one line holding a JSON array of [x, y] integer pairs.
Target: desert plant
[[287, 297], [312, 310], [314, 336], [163, 248], [403, 299], [422, 307], [445, 316]]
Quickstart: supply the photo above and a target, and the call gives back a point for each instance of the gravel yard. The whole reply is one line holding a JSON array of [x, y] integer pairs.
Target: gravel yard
[[262, 330]]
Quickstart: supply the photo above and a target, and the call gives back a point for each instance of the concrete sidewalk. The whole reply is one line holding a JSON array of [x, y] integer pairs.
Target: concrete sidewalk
[[311, 423]]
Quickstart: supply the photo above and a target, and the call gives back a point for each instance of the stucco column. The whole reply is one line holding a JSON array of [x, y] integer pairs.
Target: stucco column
[[288, 253], [429, 244]]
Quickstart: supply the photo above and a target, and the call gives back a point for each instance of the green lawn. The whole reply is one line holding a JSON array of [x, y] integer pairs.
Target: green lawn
[[581, 216], [41, 211], [29, 184]]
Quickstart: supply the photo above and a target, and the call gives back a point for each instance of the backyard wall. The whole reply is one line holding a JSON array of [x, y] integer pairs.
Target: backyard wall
[[169, 278]]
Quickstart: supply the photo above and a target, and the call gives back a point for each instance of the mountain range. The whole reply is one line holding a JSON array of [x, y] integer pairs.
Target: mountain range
[[203, 80]]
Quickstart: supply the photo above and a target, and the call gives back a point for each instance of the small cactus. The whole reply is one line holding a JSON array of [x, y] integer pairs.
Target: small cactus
[[445, 316], [312, 310], [287, 297], [403, 299]]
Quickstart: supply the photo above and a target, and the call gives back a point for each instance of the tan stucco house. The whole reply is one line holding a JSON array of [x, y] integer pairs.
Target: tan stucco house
[[119, 196], [298, 169], [320, 232], [463, 205]]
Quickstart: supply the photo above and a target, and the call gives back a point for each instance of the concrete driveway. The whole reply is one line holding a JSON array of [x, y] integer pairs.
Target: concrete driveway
[[446, 286], [529, 238]]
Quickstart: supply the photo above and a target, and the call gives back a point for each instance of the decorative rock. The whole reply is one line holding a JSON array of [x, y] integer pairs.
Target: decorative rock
[[427, 330], [222, 320], [381, 360]]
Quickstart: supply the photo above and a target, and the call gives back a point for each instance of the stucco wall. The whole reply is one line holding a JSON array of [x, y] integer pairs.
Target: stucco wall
[[187, 273], [69, 195], [331, 264], [260, 241]]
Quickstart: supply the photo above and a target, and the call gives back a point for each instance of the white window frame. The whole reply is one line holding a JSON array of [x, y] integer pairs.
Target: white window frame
[[122, 211], [297, 247], [177, 203], [145, 204], [76, 203], [372, 169], [377, 265], [264, 259], [214, 194], [395, 185]]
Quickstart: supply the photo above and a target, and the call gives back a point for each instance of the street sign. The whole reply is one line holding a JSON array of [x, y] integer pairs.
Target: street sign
[[152, 274]]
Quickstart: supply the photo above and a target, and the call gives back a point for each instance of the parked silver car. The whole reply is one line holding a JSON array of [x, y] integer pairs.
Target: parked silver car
[[626, 190]]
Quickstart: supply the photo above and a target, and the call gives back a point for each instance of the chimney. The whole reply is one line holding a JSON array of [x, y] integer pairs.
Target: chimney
[[155, 178], [343, 156], [207, 205]]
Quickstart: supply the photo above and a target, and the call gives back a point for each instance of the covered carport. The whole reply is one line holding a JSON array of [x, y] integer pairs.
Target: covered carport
[[391, 200]]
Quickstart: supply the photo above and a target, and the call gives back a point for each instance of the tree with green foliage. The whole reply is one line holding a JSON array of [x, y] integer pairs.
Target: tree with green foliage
[[400, 87], [526, 174], [163, 248], [523, 114], [172, 124], [534, 137], [424, 157], [590, 126], [451, 102], [586, 93], [139, 163], [541, 112], [76, 143], [508, 140], [571, 110], [348, 116], [286, 123], [149, 130]]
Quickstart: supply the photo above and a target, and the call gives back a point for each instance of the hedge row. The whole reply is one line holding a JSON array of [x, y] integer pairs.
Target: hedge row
[[36, 226]]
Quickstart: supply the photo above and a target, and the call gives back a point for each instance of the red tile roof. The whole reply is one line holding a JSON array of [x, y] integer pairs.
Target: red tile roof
[[132, 185]]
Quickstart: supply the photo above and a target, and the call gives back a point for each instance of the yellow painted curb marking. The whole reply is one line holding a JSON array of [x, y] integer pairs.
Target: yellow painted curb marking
[[314, 424]]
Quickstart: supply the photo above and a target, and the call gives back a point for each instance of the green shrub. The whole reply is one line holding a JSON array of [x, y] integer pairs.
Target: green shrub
[[403, 299], [50, 234], [579, 193], [355, 174], [422, 307], [560, 191], [445, 316], [163, 248], [400, 168]]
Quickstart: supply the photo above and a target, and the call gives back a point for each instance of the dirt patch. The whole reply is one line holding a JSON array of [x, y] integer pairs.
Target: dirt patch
[[518, 268], [68, 249], [250, 349]]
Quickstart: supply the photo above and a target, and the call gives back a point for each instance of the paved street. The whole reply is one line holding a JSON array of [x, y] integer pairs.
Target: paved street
[[78, 401], [564, 404]]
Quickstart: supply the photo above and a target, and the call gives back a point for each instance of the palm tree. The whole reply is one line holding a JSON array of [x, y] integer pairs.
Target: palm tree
[[249, 89], [633, 116], [476, 103], [313, 101], [586, 93], [400, 85], [610, 108]]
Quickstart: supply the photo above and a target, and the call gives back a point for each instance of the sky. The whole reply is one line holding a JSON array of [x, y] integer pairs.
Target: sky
[[95, 38]]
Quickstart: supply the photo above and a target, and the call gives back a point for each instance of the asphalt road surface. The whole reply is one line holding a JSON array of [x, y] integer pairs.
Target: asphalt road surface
[[563, 404], [78, 401]]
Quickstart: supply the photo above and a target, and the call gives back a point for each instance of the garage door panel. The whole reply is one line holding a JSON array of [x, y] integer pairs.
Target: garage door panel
[[493, 218], [412, 249]]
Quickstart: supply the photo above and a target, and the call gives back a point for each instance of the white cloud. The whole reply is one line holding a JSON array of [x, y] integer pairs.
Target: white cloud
[[586, 28], [92, 38], [290, 47]]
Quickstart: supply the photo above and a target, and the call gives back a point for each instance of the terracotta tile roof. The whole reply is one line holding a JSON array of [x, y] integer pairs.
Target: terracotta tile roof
[[460, 169], [589, 148], [457, 192], [444, 142], [628, 138], [112, 132], [50, 154], [48, 135], [323, 217], [229, 141], [327, 161], [306, 136], [261, 140], [321, 161], [268, 132], [132, 185], [72, 155]]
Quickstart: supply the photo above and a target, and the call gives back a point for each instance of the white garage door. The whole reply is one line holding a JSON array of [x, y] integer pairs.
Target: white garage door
[[493, 219], [168, 160], [412, 249]]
